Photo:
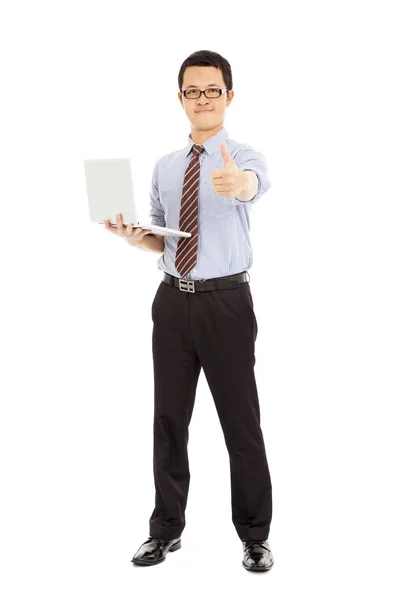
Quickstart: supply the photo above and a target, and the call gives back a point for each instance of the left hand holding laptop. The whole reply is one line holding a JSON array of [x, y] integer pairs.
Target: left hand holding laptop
[[132, 234]]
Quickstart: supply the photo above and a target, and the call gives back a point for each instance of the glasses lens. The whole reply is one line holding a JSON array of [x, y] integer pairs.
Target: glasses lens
[[212, 93], [192, 93]]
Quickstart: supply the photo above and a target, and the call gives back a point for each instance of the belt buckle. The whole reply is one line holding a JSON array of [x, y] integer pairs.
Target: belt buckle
[[186, 286]]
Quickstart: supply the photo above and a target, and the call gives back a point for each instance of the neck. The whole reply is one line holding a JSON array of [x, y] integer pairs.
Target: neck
[[199, 137]]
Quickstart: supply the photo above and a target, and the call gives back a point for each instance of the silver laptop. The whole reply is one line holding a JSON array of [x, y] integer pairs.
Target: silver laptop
[[110, 191]]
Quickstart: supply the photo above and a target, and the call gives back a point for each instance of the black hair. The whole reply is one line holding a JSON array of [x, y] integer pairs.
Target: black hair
[[207, 58]]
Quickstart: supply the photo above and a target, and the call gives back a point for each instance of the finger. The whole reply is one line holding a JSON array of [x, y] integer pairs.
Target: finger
[[225, 155], [120, 225], [110, 227], [221, 187], [130, 230], [224, 192], [224, 151], [216, 173]]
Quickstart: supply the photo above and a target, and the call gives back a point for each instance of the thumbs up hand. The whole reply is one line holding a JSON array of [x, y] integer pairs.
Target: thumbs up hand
[[229, 181]]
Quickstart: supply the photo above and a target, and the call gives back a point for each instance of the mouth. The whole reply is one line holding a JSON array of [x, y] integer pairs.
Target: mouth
[[200, 112]]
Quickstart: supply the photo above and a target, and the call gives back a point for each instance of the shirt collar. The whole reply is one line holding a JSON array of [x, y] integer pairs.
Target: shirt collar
[[212, 144]]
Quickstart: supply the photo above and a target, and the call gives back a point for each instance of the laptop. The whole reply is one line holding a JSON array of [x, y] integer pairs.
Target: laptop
[[110, 191]]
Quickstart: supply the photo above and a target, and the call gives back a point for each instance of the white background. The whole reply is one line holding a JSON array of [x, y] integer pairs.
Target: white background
[[316, 91]]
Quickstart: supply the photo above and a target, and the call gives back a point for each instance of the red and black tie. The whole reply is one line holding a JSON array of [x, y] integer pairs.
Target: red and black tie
[[186, 253]]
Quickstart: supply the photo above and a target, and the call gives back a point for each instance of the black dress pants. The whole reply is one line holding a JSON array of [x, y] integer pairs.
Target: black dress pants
[[215, 330]]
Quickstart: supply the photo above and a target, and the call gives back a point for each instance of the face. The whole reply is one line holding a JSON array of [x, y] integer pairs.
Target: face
[[203, 78]]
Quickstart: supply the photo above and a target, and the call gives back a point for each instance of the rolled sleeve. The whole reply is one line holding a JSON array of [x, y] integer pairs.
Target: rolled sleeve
[[249, 159], [156, 213]]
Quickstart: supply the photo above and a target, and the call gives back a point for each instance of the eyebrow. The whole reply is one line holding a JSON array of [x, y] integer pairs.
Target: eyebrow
[[195, 86]]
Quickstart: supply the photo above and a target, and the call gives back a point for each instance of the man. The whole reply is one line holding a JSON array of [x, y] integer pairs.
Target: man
[[203, 313]]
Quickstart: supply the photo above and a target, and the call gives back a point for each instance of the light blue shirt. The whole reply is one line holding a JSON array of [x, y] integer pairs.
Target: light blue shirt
[[224, 246]]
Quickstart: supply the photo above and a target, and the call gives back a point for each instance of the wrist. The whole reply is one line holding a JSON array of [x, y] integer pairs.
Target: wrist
[[246, 181]]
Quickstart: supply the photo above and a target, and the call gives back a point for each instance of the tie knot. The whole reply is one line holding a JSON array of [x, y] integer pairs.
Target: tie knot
[[197, 149]]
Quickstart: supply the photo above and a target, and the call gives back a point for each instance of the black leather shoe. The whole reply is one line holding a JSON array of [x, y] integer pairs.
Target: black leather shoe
[[154, 551], [257, 555]]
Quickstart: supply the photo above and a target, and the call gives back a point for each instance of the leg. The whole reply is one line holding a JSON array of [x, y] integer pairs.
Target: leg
[[226, 330], [176, 373]]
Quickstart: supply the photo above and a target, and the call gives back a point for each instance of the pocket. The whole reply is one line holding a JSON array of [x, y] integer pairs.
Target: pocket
[[162, 283], [246, 292], [247, 298]]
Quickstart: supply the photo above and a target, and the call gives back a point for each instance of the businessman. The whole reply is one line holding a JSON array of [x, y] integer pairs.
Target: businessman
[[203, 313]]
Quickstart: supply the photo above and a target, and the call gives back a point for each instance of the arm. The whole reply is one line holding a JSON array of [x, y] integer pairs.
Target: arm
[[253, 163], [151, 242]]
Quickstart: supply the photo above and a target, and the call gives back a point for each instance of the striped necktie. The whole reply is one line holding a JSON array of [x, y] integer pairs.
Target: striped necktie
[[186, 253]]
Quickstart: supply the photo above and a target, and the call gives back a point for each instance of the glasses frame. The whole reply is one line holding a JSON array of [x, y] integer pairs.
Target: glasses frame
[[221, 91]]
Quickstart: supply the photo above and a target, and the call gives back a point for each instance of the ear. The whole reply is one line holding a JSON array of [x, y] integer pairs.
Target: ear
[[230, 97]]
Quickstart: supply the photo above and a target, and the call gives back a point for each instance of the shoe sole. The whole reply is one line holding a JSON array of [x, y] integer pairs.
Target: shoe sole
[[258, 568], [148, 563]]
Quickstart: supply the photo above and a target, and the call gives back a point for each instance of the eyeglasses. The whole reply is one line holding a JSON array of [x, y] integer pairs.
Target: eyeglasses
[[209, 93]]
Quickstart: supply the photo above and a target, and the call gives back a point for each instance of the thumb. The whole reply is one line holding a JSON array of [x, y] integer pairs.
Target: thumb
[[228, 160]]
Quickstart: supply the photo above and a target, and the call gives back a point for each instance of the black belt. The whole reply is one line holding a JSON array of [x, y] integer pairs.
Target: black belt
[[205, 285]]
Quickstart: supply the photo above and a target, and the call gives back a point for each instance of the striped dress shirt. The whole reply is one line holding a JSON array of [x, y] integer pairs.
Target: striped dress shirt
[[224, 246]]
